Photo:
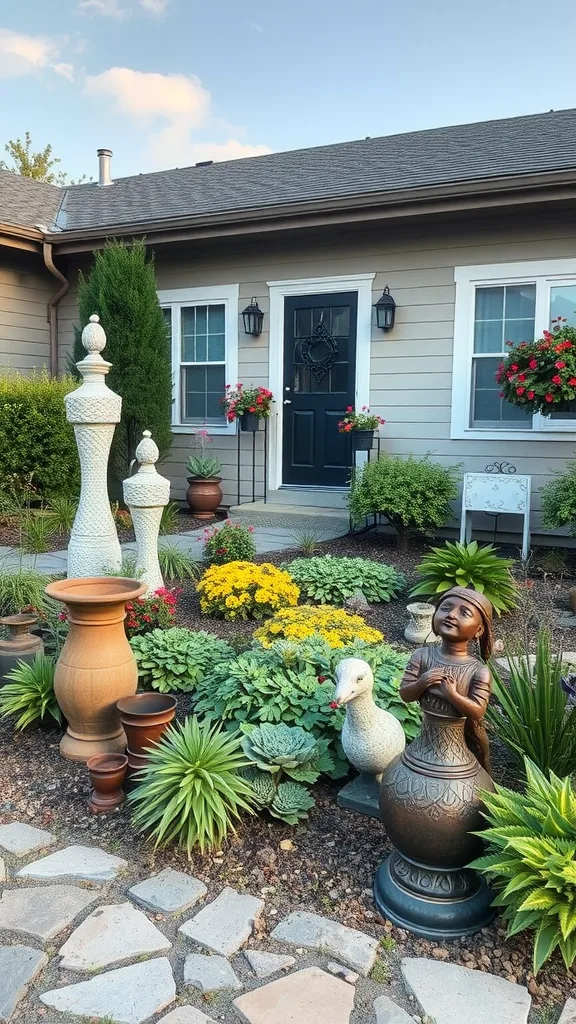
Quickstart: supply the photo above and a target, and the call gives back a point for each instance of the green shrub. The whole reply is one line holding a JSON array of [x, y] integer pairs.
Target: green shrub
[[468, 565], [413, 494], [29, 693], [282, 753], [177, 659], [532, 861], [294, 683], [191, 790], [559, 501], [231, 542], [330, 580], [534, 718], [21, 588], [37, 443]]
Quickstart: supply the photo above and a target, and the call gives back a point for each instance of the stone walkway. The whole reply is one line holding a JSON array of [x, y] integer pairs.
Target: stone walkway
[[84, 933]]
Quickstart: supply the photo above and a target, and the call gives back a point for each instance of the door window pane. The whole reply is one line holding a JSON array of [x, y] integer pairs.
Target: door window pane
[[563, 303], [488, 409]]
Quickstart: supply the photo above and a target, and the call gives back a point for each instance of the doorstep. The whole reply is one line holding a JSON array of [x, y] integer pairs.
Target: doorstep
[[325, 523]]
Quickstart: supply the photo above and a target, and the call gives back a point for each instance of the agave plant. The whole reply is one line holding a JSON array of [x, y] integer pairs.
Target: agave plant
[[29, 693], [468, 565], [192, 788], [291, 802], [532, 861]]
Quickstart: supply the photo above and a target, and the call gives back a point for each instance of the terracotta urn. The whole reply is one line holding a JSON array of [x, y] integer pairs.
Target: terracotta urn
[[96, 666], [145, 718], [107, 774], [21, 645], [204, 496]]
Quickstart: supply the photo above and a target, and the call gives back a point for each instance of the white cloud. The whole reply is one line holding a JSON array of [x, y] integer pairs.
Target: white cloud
[[154, 6], [64, 70], [23, 55], [173, 147], [106, 8], [146, 94]]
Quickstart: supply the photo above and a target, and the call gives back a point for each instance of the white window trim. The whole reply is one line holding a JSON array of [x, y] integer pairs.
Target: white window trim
[[467, 279], [227, 294], [279, 290]]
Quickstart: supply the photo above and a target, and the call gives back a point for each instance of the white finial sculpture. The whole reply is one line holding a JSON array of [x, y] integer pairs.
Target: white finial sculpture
[[146, 493], [371, 737], [94, 410]]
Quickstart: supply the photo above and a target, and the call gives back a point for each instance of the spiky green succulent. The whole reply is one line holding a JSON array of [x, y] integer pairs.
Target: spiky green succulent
[[291, 802], [468, 565]]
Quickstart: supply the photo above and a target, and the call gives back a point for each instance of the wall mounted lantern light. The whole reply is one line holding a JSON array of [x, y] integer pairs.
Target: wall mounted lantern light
[[385, 310], [253, 318]]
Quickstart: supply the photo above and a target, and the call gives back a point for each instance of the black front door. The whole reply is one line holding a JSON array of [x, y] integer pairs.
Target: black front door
[[319, 384]]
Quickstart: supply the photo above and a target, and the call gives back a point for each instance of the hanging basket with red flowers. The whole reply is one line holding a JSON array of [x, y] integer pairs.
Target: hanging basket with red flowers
[[241, 400], [540, 376]]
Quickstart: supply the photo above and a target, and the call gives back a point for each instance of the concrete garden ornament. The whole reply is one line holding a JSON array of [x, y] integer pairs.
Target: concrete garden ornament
[[146, 493], [94, 410]]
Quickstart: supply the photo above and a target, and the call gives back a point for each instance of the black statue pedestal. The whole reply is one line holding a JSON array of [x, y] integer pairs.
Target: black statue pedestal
[[361, 795]]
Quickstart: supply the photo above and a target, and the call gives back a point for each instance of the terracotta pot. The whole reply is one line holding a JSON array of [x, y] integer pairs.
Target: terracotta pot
[[21, 645], [96, 665], [107, 774], [145, 718], [204, 496]]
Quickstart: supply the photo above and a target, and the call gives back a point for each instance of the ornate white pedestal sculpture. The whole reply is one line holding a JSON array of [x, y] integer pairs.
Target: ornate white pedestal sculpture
[[94, 410], [146, 493]]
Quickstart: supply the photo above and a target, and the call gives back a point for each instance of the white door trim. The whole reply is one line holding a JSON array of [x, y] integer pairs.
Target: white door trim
[[279, 290]]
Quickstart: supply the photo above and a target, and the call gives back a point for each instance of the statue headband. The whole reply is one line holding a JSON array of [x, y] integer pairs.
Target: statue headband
[[473, 597]]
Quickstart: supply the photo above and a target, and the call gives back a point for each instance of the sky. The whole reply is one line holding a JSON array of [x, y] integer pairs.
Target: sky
[[165, 83]]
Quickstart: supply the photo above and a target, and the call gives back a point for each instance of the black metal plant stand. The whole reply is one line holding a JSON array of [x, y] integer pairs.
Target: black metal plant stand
[[376, 518], [255, 449]]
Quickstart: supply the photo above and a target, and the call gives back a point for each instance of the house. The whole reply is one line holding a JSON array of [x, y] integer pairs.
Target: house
[[472, 228]]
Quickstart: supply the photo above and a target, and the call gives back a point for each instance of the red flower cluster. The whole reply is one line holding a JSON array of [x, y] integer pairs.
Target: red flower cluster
[[364, 420], [153, 611], [240, 400], [534, 378]]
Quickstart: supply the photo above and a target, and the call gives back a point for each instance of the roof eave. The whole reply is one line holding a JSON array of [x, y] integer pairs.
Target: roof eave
[[17, 236]]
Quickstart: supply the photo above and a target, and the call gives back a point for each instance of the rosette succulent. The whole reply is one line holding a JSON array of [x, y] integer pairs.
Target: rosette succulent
[[279, 751], [291, 802]]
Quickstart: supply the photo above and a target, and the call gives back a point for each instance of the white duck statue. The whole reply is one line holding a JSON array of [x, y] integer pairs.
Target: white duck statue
[[371, 737]]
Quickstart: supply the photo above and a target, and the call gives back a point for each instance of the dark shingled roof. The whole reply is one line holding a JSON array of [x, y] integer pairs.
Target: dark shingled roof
[[440, 156], [26, 202]]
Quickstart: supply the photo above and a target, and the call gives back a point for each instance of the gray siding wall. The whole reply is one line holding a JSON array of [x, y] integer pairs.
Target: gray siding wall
[[411, 368], [25, 290]]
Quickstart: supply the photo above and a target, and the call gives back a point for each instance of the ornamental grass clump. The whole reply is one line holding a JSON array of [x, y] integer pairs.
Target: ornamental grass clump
[[284, 758], [192, 790], [242, 590], [177, 659], [468, 565], [232, 542], [531, 861], [29, 693], [334, 625], [331, 580]]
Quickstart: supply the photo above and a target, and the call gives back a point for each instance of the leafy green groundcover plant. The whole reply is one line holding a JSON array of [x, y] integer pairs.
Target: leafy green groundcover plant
[[29, 693], [284, 757], [534, 717], [468, 565], [294, 683], [192, 789], [231, 542], [330, 580], [178, 659], [532, 861], [559, 501]]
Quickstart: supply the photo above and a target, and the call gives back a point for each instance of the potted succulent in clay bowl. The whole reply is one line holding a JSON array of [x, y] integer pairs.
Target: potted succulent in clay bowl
[[249, 405], [204, 493], [361, 426]]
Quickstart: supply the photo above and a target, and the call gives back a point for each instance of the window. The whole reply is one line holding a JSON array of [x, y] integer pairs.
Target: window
[[203, 325], [494, 305]]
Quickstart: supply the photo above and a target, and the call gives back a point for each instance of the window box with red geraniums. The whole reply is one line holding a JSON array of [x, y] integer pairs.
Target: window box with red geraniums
[[249, 405], [540, 376], [361, 425]]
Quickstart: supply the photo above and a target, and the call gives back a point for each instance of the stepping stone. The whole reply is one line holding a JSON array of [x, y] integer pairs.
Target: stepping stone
[[354, 948], [310, 995], [186, 1015], [339, 971], [568, 1015], [210, 973], [128, 995], [21, 839], [170, 892], [19, 965], [42, 913], [451, 994], [110, 935], [388, 1012], [226, 923], [85, 862], [264, 964]]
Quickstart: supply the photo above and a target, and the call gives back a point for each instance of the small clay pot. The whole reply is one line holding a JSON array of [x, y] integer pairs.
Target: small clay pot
[[22, 645], [145, 718], [204, 496], [107, 774]]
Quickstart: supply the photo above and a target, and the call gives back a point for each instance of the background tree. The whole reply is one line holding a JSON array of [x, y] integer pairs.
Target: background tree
[[121, 289], [37, 164]]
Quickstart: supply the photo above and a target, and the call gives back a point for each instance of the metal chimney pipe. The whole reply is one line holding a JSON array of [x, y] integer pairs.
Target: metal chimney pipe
[[104, 157]]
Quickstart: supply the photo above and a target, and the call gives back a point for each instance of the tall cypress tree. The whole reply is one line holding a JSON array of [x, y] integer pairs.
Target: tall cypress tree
[[121, 289]]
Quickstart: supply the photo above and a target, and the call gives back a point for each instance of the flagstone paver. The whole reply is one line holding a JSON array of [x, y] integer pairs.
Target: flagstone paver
[[21, 839], [307, 995], [451, 994], [128, 995], [186, 1015], [301, 928], [169, 892], [110, 935], [225, 924], [388, 1012], [42, 913], [19, 965], [210, 973], [88, 863], [339, 971], [264, 964], [568, 1015]]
